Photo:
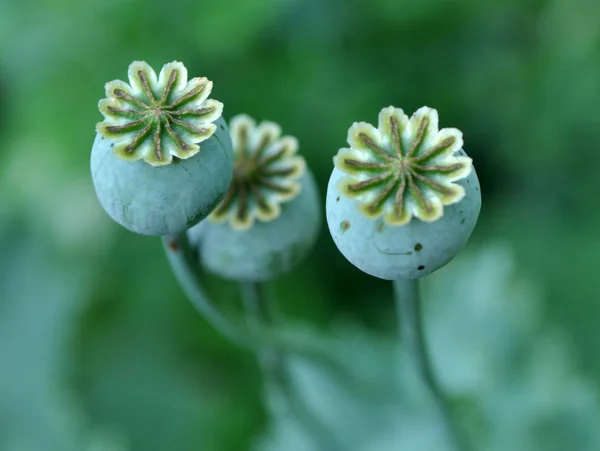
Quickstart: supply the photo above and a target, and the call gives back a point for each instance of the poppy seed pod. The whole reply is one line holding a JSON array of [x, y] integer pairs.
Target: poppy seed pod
[[404, 198], [162, 158], [270, 217]]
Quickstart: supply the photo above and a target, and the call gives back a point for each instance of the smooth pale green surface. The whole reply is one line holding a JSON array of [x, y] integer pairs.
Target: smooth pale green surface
[[168, 199], [388, 252], [267, 249]]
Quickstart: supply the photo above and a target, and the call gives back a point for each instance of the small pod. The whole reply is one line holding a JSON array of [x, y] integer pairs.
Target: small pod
[[404, 198], [162, 159], [270, 218]]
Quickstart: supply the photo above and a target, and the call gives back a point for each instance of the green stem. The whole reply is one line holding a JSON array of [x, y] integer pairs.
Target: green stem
[[274, 365], [183, 263], [185, 267], [410, 320]]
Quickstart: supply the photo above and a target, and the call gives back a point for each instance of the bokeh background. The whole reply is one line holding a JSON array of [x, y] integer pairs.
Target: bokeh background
[[100, 350]]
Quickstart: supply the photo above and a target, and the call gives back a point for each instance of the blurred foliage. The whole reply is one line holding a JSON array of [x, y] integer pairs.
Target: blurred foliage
[[99, 350], [515, 384]]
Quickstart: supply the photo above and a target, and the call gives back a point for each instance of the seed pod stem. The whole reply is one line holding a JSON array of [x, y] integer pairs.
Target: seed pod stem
[[184, 264], [182, 260], [274, 366], [410, 322]]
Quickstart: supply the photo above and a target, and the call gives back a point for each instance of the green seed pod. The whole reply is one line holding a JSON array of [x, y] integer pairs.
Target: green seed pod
[[270, 217], [150, 172], [404, 198]]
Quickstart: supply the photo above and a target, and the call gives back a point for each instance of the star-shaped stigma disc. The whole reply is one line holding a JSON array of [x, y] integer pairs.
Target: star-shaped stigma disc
[[156, 118], [266, 173], [403, 168]]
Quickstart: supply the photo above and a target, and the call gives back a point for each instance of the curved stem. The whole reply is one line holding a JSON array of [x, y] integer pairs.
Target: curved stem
[[183, 261], [410, 320], [274, 365]]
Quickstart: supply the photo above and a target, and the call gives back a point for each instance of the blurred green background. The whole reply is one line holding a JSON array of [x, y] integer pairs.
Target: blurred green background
[[100, 350]]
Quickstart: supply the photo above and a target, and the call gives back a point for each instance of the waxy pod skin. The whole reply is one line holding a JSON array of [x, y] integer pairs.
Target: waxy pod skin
[[270, 217], [162, 159], [403, 198]]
